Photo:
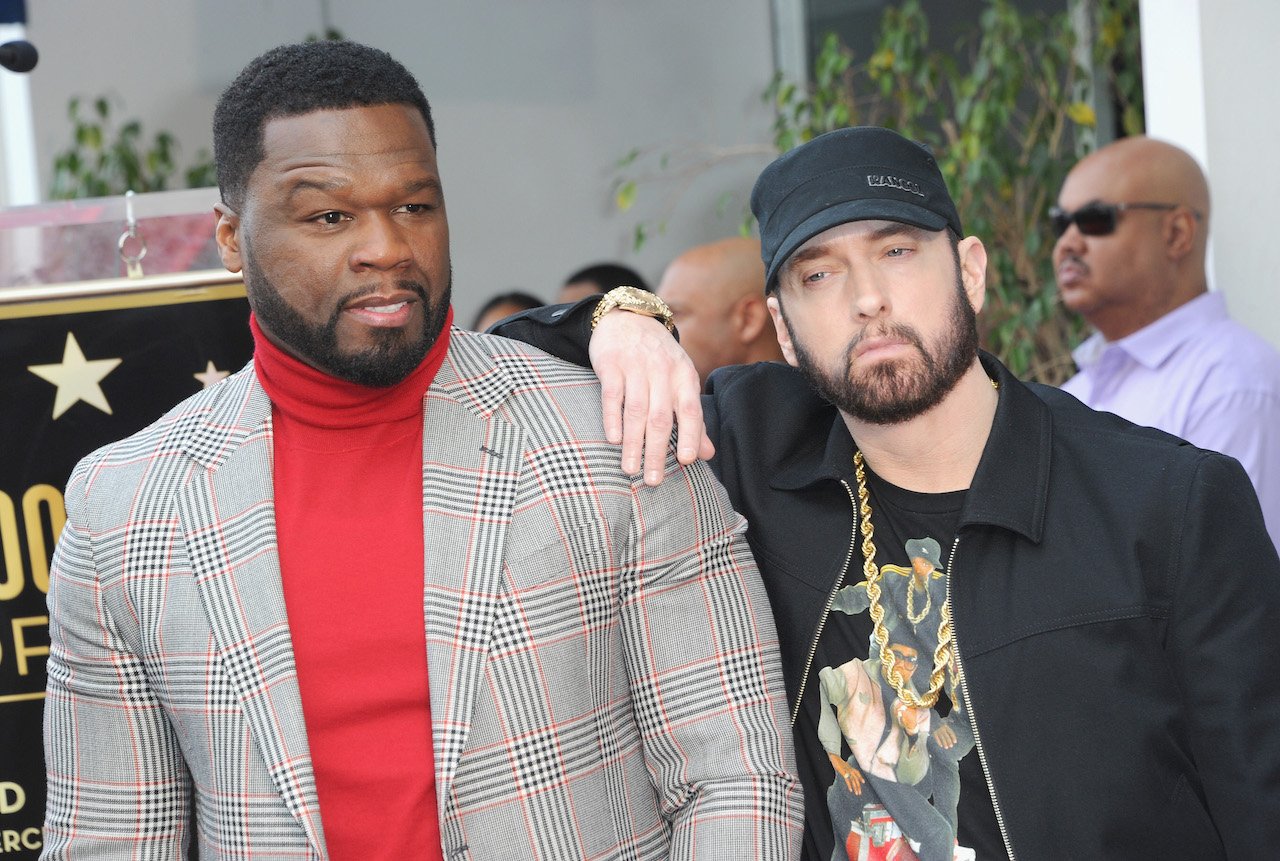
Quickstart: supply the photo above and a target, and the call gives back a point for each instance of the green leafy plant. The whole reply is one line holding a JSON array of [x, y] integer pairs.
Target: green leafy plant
[[108, 159], [1006, 124], [1117, 51]]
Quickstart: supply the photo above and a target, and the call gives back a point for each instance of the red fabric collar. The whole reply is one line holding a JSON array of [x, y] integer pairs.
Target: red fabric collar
[[313, 397]]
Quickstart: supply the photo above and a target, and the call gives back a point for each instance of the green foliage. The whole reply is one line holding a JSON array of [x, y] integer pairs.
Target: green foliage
[[1006, 125], [1117, 51], [800, 115], [108, 159]]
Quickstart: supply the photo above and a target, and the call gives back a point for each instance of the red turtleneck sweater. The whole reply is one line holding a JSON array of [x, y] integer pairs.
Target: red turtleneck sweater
[[348, 500]]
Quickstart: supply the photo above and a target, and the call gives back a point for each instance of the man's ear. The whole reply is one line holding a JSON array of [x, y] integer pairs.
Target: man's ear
[[973, 271], [1180, 230], [780, 329], [226, 231], [749, 317]]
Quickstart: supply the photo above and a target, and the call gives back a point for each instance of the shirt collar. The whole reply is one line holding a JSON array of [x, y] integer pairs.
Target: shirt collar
[[1151, 345]]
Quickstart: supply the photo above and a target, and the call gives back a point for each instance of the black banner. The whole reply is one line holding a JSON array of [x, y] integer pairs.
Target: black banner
[[75, 374]]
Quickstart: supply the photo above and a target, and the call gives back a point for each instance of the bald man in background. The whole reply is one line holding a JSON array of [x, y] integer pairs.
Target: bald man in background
[[1133, 224], [716, 294]]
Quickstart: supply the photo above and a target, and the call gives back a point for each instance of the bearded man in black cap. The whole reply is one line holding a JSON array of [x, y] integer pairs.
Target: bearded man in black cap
[[1114, 660]]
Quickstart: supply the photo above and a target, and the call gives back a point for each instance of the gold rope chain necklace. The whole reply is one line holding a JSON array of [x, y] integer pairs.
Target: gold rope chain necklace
[[888, 660], [912, 616]]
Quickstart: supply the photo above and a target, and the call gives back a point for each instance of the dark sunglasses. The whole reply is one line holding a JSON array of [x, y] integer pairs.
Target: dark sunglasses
[[1098, 219]]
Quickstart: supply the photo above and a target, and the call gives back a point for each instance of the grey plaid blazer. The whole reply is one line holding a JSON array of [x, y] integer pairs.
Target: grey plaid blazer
[[603, 669]]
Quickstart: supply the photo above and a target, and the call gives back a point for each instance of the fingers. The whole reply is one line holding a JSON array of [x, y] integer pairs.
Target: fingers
[[657, 432], [648, 386], [647, 417], [612, 392], [635, 415], [692, 442]]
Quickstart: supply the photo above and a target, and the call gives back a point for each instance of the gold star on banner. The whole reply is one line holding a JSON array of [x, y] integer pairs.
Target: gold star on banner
[[210, 375], [76, 378]]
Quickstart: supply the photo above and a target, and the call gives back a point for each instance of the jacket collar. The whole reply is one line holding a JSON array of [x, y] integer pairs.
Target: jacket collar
[[832, 461], [239, 407], [1011, 486], [234, 410]]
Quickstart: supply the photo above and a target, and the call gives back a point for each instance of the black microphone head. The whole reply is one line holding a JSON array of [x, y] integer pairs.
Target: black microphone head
[[19, 56]]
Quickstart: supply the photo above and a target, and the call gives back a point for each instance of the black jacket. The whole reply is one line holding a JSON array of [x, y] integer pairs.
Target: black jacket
[[1115, 599]]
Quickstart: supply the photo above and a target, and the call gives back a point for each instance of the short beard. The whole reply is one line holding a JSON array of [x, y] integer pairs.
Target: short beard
[[389, 361], [894, 392]]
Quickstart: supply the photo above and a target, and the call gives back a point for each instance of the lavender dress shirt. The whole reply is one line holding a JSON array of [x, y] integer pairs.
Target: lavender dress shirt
[[1199, 375]]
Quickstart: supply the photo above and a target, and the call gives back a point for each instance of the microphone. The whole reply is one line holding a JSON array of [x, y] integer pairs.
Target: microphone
[[18, 56]]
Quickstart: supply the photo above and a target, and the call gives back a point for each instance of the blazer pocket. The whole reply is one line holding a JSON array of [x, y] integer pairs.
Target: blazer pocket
[[565, 591], [583, 550]]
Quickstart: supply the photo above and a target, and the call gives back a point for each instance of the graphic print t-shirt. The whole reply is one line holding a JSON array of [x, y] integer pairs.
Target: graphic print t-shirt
[[901, 782]]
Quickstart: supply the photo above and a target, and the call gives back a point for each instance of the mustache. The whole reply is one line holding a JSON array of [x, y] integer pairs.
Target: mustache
[[411, 286], [900, 331], [1074, 259]]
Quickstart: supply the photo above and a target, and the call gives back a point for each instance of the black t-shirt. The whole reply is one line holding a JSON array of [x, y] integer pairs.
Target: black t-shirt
[[909, 778]]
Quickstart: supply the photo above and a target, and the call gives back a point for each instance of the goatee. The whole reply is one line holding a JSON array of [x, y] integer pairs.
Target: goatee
[[892, 392], [395, 354]]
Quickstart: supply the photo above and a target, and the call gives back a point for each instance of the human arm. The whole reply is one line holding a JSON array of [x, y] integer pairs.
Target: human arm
[[831, 690], [703, 664], [954, 733], [1246, 426], [852, 777], [1225, 652], [116, 777], [913, 746], [646, 379], [852, 599]]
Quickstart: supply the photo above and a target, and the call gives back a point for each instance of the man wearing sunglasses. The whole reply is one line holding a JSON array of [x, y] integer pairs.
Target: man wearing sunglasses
[[1132, 223]]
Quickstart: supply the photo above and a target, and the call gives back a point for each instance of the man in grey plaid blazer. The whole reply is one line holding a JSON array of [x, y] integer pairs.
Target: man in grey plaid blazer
[[602, 666]]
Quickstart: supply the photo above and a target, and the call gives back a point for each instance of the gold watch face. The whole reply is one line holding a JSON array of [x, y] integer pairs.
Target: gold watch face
[[636, 301], [641, 301]]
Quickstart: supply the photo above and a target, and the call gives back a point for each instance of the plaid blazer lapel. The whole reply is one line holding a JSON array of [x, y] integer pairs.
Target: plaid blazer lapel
[[471, 465], [227, 515]]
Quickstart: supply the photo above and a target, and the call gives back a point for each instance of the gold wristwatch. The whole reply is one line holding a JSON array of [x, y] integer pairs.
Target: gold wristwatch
[[637, 301]]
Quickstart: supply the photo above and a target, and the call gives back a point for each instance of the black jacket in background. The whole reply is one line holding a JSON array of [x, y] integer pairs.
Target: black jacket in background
[[1115, 597]]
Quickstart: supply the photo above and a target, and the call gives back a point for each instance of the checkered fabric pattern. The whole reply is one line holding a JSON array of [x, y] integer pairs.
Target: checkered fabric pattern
[[603, 665]]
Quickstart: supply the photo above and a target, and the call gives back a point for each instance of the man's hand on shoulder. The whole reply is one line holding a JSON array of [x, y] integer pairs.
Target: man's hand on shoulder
[[646, 379]]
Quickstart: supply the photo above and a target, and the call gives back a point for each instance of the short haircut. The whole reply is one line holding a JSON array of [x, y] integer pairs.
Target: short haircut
[[298, 79], [607, 276], [521, 300]]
